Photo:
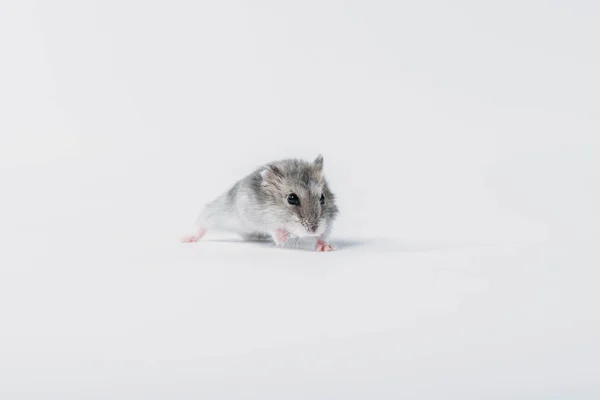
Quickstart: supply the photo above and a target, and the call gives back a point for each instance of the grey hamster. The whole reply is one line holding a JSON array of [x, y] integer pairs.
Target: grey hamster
[[280, 200]]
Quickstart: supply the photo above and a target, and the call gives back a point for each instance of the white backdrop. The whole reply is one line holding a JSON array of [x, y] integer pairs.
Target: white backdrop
[[462, 139]]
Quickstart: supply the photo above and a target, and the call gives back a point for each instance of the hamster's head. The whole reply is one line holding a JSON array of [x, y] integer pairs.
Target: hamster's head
[[298, 196]]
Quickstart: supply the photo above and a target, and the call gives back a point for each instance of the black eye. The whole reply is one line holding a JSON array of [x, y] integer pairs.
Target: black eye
[[293, 199], [322, 199]]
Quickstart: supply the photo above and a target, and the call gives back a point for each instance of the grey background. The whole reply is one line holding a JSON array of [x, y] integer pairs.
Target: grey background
[[462, 139]]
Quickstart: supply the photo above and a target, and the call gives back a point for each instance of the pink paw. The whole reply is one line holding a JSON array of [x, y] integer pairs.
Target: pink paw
[[193, 238], [322, 246], [281, 236]]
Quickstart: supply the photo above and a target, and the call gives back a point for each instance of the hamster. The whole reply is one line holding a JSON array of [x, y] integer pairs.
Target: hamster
[[281, 200]]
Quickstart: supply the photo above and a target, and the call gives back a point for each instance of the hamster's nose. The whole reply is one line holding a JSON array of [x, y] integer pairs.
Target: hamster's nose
[[313, 227]]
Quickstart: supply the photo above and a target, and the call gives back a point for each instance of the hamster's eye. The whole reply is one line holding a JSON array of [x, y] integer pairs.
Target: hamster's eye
[[322, 199], [293, 199]]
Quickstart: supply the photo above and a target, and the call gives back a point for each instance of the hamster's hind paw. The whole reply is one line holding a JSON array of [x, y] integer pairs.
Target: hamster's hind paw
[[193, 238], [189, 239], [323, 246]]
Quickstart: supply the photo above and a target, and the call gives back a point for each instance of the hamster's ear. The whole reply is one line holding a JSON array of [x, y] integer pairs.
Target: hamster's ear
[[317, 168], [318, 163], [271, 175]]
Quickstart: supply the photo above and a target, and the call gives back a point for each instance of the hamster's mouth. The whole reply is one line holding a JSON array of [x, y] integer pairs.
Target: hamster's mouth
[[302, 233], [306, 233], [312, 235]]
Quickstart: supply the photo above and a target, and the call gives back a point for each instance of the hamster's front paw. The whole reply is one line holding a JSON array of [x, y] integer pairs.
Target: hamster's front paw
[[324, 246], [281, 236]]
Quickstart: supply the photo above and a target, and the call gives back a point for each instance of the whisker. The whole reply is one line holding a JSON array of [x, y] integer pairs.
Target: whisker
[[339, 231]]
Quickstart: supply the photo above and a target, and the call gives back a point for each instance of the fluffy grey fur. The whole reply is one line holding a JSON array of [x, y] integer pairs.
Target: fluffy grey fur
[[257, 206]]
